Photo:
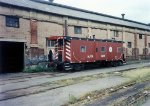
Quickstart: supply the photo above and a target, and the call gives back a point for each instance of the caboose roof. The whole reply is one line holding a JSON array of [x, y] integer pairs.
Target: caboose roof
[[77, 38]]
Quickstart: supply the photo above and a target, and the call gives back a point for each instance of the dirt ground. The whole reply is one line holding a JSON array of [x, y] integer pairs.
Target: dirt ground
[[55, 89]]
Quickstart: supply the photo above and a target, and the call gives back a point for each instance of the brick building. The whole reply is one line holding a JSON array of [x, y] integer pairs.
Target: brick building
[[25, 25]]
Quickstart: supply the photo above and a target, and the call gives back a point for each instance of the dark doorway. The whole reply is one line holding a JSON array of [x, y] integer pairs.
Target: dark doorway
[[11, 57]]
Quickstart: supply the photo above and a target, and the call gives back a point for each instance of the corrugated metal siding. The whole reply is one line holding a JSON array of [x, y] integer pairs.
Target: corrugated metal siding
[[77, 13]]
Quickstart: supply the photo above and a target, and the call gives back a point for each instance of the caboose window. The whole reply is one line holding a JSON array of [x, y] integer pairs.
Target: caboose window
[[83, 49], [119, 50], [77, 30], [103, 49], [96, 49]]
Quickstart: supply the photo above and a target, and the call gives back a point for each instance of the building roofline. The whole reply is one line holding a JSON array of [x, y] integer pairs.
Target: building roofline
[[84, 10], [147, 27]]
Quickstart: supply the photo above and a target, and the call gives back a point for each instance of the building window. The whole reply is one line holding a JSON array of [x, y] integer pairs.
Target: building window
[[116, 33], [77, 30], [83, 49], [149, 45], [12, 21], [140, 36], [50, 43], [103, 49], [129, 44], [93, 36]]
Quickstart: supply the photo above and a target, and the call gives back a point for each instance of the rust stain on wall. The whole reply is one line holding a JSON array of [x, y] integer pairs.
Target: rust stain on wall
[[33, 26], [135, 40], [145, 41]]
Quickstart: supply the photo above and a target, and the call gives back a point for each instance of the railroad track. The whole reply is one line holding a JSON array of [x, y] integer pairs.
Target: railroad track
[[123, 97], [38, 88], [24, 77], [9, 94]]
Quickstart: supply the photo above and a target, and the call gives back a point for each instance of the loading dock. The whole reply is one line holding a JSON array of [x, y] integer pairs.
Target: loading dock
[[11, 56]]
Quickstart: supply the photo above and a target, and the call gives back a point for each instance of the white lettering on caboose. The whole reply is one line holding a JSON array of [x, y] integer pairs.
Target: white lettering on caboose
[[90, 56]]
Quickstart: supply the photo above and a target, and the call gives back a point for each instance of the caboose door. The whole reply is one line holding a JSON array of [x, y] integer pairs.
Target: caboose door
[[100, 53], [97, 55]]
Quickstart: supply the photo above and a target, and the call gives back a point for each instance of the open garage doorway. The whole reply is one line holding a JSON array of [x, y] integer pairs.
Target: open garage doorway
[[11, 56]]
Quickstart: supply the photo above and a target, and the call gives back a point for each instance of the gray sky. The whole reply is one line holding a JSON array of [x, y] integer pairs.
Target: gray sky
[[137, 10]]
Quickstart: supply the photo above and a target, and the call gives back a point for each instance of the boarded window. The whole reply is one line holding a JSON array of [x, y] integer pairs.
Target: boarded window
[[77, 30], [129, 44], [12, 21], [103, 49], [140, 36], [83, 49]]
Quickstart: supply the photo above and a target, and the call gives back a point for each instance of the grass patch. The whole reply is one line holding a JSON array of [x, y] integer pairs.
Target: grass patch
[[76, 80], [147, 88], [72, 99], [135, 75], [94, 95], [38, 68], [138, 75]]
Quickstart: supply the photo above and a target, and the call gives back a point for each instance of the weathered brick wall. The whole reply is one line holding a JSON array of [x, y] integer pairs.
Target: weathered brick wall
[[148, 41], [47, 29], [129, 37], [140, 44], [48, 25], [99, 33], [15, 33]]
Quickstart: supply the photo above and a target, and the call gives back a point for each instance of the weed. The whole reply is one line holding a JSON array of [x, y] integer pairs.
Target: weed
[[38, 68], [138, 75], [72, 99]]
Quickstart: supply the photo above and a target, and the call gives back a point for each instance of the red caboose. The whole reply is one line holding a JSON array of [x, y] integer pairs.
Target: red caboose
[[75, 53]]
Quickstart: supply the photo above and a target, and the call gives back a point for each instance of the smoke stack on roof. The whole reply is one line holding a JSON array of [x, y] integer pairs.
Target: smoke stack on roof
[[46, 0], [51, 1], [43, 1], [122, 15]]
